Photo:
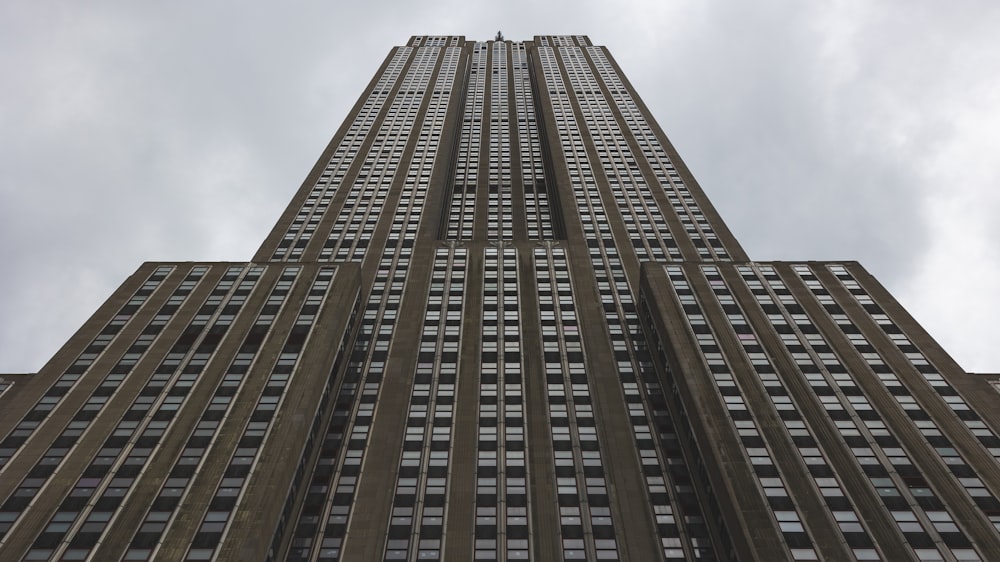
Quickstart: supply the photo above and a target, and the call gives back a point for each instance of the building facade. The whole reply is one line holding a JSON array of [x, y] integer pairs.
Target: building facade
[[500, 320]]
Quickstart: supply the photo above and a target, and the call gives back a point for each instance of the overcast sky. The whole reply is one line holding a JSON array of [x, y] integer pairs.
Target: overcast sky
[[134, 131]]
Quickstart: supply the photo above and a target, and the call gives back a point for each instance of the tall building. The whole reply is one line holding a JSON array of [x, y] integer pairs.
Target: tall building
[[500, 320]]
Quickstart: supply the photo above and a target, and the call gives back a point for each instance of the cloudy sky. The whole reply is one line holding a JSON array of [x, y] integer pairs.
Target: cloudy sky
[[837, 129]]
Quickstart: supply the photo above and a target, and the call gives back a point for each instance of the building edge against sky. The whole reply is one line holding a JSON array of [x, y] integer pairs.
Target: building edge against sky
[[500, 320]]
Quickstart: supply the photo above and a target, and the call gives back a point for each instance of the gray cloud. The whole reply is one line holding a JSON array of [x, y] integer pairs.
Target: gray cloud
[[135, 132]]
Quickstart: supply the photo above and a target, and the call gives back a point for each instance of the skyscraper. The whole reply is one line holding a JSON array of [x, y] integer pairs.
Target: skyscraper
[[500, 320]]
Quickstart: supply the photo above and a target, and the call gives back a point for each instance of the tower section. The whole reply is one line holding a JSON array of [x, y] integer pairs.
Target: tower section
[[500, 320]]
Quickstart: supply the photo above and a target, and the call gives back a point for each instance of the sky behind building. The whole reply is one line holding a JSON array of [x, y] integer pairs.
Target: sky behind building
[[844, 131]]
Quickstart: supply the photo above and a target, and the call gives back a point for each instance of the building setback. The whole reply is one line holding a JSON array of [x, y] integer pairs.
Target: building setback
[[500, 320]]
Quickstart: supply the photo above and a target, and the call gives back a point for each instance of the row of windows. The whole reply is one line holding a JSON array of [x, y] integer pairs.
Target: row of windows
[[501, 473], [29, 487], [941, 445], [499, 220], [462, 212], [787, 516], [795, 425], [880, 456], [318, 200], [920, 363], [496, 166], [354, 227], [175, 487], [409, 210], [358, 218], [620, 316], [314, 432], [632, 196], [87, 510], [536, 204], [69, 378], [237, 473], [588, 531], [658, 402], [418, 507], [696, 225], [564, 40], [436, 41], [322, 523]]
